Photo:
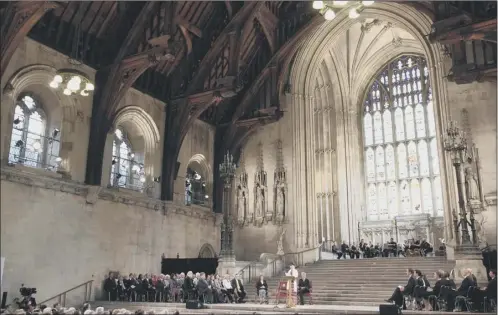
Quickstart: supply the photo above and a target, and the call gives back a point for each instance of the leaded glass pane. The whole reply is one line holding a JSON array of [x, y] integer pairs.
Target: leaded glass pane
[[380, 163], [405, 197], [399, 123], [430, 120], [419, 121], [392, 196], [415, 195], [402, 169], [390, 164], [409, 123], [427, 196], [378, 128], [370, 164], [372, 200], [388, 126], [368, 129], [412, 159], [434, 157], [438, 196], [382, 201], [423, 154]]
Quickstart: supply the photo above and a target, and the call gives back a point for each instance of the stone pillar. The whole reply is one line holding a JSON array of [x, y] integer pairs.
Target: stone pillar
[[311, 213], [7, 118]]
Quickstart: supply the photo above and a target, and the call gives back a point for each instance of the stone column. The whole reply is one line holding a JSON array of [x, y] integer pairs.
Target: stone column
[[311, 217], [8, 107]]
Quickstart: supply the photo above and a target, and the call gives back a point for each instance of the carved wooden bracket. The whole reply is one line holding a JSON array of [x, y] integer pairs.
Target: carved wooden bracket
[[17, 20]]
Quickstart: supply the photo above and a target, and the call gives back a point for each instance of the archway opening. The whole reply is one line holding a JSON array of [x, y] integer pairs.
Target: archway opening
[[207, 251], [198, 181]]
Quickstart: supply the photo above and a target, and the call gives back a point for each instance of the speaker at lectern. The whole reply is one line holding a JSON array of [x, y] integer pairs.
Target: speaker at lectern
[[289, 288]]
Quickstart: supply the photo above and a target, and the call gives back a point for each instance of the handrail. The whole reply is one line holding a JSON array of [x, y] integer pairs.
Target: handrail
[[61, 297], [273, 263]]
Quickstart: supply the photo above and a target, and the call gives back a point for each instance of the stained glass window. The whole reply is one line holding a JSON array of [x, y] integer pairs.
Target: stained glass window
[[29, 144], [401, 157]]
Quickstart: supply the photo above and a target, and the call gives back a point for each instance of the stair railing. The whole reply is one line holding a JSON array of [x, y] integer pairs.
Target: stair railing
[[252, 271], [61, 297]]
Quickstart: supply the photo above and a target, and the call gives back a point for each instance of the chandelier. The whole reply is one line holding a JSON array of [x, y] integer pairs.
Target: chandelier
[[72, 81], [326, 8]]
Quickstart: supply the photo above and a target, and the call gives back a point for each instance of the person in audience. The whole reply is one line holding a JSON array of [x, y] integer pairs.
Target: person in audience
[[188, 286], [398, 295], [488, 291], [467, 282], [238, 288], [217, 289], [336, 250], [227, 288], [123, 292], [354, 252], [204, 289], [421, 285], [425, 248], [110, 287], [175, 288], [345, 249], [303, 287], [392, 247], [262, 290]]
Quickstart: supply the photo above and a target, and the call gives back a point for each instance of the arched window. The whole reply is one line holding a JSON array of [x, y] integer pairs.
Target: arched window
[[29, 144], [401, 161], [127, 167]]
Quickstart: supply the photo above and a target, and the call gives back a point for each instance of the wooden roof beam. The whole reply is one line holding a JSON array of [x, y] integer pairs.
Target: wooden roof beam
[[17, 20], [485, 31]]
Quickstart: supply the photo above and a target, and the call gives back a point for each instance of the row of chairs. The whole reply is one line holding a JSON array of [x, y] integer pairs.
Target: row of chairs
[[440, 302]]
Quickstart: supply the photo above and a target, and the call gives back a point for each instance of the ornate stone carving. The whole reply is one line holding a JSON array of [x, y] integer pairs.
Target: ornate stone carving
[[367, 26], [280, 186], [260, 192], [243, 215], [280, 243]]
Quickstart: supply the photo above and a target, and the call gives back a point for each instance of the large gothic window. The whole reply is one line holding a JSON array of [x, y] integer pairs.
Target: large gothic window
[[127, 168], [30, 145], [401, 161]]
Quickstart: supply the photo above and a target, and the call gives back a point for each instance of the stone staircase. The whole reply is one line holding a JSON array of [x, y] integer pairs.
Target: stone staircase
[[366, 282]]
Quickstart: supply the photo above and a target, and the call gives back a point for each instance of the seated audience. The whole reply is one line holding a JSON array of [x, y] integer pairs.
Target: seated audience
[[488, 291], [188, 286], [468, 281], [345, 249], [217, 286], [401, 291], [262, 290], [425, 248], [303, 287], [421, 286], [238, 288], [354, 252]]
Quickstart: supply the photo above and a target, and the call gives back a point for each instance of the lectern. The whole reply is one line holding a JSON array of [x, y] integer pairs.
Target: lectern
[[290, 287]]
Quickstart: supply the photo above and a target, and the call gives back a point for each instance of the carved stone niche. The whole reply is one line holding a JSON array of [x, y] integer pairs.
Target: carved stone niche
[[260, 195], [242, 201], [280, 195]]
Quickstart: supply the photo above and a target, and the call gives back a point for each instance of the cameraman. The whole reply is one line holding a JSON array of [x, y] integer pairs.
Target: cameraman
[[28, 302]]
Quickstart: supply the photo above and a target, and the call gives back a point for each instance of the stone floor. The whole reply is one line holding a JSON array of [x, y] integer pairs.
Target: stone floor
[[250, 308]]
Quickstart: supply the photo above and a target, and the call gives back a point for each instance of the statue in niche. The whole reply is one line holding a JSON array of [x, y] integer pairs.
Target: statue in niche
[[280, 204], [280, 243], [471, 187], [241, 206]]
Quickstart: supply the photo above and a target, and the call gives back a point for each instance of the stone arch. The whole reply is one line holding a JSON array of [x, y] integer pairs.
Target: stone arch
[[316, 49], [144, 137], [207, 251], [61, 110], [201, 165]]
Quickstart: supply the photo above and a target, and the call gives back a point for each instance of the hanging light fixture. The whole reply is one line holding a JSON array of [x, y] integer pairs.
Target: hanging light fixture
[[72, 81], [327, 8]]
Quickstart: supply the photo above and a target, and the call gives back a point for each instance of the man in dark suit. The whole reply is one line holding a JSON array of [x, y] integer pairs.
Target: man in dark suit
[[401, 291], [188, 286], [467, 282], [204, 289], [303, 287], [345, 249], [488, 291], [238, 289], [110, 286]]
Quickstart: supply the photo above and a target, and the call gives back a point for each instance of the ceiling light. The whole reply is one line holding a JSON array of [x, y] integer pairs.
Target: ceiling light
[[57, 79], [340, 3], [72, 81], [367, 3], [67, 92], [329, 15], [58, 159], [353, 13], [54, 84], [318, 5], [84, 93], [131, 155], [37, 145], [206, 196], [91, 87]]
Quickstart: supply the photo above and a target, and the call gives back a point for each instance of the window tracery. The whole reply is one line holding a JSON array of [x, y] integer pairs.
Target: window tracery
[[127, 168], [401, 153]]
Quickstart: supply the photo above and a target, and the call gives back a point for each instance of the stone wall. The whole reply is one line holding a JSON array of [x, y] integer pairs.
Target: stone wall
[[58, 234]]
